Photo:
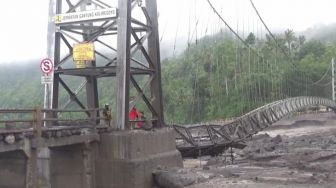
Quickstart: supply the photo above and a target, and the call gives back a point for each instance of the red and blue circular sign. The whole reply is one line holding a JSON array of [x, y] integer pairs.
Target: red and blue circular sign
[[47, 66]]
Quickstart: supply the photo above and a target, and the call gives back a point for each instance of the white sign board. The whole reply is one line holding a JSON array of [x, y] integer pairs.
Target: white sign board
[[46, 79], [47, 66], [89, 15]]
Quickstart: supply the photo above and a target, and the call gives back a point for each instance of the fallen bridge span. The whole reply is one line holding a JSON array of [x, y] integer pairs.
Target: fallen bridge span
[[214, 138]]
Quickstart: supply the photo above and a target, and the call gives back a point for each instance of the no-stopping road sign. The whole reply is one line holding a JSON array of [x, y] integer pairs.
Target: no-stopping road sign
[[47, 66]]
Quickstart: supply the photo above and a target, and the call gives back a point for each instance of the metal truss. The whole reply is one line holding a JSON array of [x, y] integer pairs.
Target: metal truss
[[214, 138], [126, 47]]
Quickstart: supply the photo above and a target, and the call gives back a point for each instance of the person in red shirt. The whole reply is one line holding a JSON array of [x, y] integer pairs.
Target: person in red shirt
[[133, 115]]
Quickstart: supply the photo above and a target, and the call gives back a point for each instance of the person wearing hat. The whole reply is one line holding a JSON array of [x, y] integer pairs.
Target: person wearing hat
[[107, 115]]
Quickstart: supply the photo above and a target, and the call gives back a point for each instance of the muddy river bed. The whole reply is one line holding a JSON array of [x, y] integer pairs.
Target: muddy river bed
[[296, 152]]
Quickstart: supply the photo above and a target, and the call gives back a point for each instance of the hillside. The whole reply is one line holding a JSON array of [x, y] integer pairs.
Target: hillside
[[201, 81]]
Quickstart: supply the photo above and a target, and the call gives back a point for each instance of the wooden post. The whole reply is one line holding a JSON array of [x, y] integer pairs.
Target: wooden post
[[333, 79], [32, 179], [31, 173], [38, 125]]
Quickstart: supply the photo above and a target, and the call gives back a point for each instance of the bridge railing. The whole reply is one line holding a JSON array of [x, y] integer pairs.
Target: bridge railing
[[28, 120], [17, 119], [62, 117], [37, 128]]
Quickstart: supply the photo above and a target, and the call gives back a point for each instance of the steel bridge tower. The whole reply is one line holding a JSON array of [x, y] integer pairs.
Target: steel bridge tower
[[126, 48]]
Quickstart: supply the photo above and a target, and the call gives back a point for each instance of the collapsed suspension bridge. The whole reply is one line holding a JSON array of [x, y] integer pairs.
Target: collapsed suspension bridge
[[246, 72], [255, 59]]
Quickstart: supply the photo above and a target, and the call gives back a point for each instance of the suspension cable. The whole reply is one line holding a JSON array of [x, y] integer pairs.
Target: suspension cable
[[324, 75], [274, 38]]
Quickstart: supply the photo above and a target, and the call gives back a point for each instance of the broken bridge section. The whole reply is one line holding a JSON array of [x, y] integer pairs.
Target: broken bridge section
[[214, 138]]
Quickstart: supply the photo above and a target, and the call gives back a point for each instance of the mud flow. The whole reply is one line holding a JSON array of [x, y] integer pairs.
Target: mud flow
[[296, 152]]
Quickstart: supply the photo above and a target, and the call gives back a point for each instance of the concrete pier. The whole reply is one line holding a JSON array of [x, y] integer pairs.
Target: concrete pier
[[68, 169], [13, 169], [126, 159], [121, 159]]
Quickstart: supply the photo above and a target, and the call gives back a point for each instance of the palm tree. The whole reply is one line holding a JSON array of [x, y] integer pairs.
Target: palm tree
[[251, 39], [290, 39]]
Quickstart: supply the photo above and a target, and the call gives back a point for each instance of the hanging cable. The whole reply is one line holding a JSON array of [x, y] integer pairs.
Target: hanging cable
[[274, 38], [228, 26], [164, 30], [324, 75]]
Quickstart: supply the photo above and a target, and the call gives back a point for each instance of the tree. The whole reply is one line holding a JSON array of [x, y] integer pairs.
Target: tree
[[316, 48], [250, 39], [289, 39]]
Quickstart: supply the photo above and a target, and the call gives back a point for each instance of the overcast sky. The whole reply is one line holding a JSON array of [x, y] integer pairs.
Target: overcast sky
[[24, 23]]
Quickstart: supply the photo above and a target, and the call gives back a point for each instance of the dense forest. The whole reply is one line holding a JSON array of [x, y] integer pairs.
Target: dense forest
[[214, 78], [220, 77]]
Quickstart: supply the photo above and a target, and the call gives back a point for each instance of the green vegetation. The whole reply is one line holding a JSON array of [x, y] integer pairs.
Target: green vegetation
[[219, 77], [20, 85]]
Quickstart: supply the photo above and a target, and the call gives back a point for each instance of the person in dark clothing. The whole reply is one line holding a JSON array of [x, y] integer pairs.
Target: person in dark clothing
[[107, 115], [142, 119]]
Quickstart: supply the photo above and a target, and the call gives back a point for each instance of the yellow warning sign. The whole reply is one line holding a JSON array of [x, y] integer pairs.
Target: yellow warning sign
[[83, 52], [80, 64]]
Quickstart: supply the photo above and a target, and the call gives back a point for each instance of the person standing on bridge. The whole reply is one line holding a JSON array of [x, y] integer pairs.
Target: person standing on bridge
[[142, 119], [107, 115], [133, 115]]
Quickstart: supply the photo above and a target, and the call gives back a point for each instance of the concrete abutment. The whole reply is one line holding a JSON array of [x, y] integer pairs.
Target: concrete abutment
[[127, 159], [121, 159]]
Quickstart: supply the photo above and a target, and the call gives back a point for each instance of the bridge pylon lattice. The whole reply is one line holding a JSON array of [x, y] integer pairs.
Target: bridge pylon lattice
[[126, 49]]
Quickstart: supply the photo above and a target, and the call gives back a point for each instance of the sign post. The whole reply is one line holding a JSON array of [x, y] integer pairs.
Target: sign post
[[43, 154], [47, 68]]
